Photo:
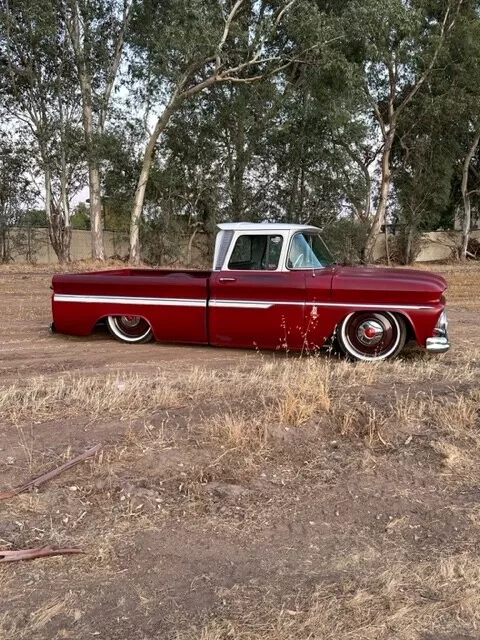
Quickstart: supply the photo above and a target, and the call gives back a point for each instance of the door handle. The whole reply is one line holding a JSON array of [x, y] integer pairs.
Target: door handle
[[227, 279]]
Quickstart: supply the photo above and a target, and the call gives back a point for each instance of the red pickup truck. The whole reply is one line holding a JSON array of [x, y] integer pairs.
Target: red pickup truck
[[273, 286]]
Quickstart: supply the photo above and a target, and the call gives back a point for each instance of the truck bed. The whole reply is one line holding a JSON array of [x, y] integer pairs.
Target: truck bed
[[174, 302]]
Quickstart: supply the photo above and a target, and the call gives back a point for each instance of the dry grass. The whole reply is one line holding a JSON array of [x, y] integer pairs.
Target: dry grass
[[237, 431], [16, 626], [303, 391], [406, 601], [124, 394]]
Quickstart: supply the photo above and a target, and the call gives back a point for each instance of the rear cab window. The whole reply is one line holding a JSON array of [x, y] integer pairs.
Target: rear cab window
[[256, 253]]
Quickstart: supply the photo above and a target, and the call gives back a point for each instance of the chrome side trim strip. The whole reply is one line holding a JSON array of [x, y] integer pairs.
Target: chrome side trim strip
[[261, 304], [158, 302], [246, 304], [222, 304], [368, 305]]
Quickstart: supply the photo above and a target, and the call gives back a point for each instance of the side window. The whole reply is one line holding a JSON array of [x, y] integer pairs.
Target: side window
[[256, 253], [241, 254]]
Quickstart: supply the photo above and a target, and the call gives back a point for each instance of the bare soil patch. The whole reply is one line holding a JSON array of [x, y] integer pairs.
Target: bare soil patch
[[238, 495]]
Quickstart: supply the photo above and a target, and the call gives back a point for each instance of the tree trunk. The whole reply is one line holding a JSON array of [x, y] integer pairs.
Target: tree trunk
[[4, 243], [238, 177], [74, 30], [380, 213], [190, 245], [387, 248], [96, 222], [59, 233], [467, 207], [409, 247], [142, 182], [66, 231]]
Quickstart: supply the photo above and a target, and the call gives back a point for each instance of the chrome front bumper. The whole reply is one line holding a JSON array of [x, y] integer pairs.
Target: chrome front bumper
[[439, 344]]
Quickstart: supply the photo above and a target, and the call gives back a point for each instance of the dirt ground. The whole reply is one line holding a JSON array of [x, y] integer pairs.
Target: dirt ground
[[238, 494]]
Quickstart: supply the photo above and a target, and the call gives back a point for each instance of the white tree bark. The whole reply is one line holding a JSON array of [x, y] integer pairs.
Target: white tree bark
[[94, 129], [467, 206], [388, 124], [381, 210], [136, 215], [216, 75]]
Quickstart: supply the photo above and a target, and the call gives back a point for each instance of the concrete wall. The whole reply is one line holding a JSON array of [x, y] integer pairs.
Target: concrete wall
[[438, 245], [116, 244]]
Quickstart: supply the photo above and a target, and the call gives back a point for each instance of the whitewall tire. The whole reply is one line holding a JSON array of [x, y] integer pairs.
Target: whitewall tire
[[130, 329], [371, 336]]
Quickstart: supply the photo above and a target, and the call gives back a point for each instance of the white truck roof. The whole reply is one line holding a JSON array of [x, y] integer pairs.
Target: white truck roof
[[263, 226], [229, 232]]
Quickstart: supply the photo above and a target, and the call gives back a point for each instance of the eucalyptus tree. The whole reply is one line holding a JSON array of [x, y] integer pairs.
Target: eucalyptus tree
[[16, 193], [397, 45], [183, 49], [97, 31], [462, 101], [39, 97], [436, 150]]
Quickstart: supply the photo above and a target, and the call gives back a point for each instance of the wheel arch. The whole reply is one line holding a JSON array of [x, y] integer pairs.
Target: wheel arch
[[104, 316], [409, 325]]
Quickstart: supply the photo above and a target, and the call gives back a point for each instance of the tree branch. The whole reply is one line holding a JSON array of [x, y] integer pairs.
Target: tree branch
[[226, 31], [376, 109], [284, 11], [416, 88], [113, 68]]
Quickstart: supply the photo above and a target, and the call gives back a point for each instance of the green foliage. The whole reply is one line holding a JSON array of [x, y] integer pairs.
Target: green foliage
[[302, 145], [346, 239], [36, 218], [81, 217]]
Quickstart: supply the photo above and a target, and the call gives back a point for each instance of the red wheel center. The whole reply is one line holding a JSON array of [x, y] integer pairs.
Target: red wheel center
[[370, 332]]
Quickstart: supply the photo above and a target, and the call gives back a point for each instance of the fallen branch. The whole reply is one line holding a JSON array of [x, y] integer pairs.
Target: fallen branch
[[36, 482], [32, 554]]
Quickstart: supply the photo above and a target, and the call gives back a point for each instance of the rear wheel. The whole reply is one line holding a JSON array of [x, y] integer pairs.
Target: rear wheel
[[372, 335], [131, 329]]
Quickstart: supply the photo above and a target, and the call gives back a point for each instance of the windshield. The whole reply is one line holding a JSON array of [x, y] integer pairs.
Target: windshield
[[308, 251]]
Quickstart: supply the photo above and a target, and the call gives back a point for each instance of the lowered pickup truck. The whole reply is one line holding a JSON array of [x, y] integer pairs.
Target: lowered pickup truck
[[273, 286]]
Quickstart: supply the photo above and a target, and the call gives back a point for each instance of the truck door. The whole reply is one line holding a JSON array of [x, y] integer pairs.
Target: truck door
[[308, 253], [252, 302]]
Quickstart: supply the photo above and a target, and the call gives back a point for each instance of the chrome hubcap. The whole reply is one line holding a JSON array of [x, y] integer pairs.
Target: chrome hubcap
[[130, 321], [370, 333]]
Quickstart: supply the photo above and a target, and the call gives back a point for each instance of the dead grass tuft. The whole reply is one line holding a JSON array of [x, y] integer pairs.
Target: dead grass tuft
[[406, 601], [123, 394], [16, 625], [238, 431], [303, 393], [457, 415]]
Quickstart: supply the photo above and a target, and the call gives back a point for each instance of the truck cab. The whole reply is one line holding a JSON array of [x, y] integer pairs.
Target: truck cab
[[264, 278]]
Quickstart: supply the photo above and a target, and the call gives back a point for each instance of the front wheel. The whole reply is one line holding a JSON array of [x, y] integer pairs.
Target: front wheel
[[372, 336], [131, 329]]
